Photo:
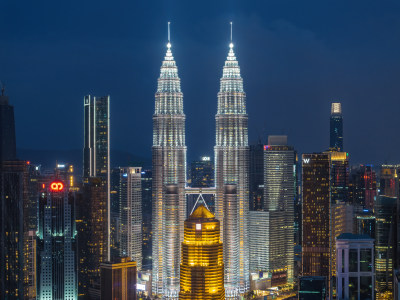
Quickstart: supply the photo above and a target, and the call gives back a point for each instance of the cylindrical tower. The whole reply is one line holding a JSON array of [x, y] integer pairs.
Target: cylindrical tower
[[202, 266], [169, 167], [231, 167]]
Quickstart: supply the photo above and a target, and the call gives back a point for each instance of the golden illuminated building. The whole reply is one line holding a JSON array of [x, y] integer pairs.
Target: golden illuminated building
[[202, 266]]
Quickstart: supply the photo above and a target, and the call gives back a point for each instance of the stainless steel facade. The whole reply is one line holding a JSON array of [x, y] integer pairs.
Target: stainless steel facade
[[231, 167], [169, 179]]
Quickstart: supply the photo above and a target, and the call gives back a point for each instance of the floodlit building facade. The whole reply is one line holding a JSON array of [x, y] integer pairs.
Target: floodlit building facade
[[169, 179], [336, 127], [202, 265], [232, 167]]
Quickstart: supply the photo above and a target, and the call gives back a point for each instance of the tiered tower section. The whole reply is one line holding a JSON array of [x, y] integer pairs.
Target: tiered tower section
[[231, 168], [169, 174]]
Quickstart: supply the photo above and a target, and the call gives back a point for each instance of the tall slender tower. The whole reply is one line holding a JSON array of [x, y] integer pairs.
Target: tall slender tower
[[169, 177], [231, 167], [336, 127]]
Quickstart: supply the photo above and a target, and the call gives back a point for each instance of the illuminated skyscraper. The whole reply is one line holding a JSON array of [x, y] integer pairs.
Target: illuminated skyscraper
[[202, 265], [336, 127], [232, 167], [130, 215], [96, 152], [169, 179], [279, 193], [57, 261], [316, 215]]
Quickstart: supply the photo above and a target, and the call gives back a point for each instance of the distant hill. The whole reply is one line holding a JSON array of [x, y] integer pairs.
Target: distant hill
[[49, 158]]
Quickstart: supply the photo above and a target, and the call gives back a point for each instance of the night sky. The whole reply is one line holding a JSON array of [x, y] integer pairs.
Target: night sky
[[296, 57]]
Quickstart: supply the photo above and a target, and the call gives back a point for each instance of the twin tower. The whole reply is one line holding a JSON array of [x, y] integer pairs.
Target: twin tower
[[169, 178]]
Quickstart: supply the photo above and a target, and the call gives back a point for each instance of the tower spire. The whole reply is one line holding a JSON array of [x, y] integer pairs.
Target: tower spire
[[169, 36], [231, 31]]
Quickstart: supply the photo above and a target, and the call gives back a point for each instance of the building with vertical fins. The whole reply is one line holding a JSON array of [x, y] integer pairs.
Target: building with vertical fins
[[96, 151], [202, 265], [232, 167], [169, 179], [56, 247], [336, 127], [130, 215]]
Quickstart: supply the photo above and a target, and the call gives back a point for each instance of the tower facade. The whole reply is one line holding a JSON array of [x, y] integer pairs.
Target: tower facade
[[202, 265], [56, 269], [169, 179], [279, 193], [7, 130], [232, 168], [130, 215], [336, 127], [96, 152]]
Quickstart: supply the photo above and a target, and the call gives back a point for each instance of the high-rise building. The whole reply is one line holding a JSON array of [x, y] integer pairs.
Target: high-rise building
[[14, 229], [232, 167], [114, 214], [56, 246], [259, 240], [385, 212], [147, 183], [202, 265], [313, 288], [202, 172], [316, 215], [169, 179], [339, 176], [362, 186], [131, 214], [365, 223], [256, 176], [96, 151], [118, 280], [7, 129], [355, 268], [336, 127], [91, 208], [279, 191]]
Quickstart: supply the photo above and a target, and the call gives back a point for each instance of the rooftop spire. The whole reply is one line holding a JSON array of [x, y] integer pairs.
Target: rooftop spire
[[231, 44], [169, 36]]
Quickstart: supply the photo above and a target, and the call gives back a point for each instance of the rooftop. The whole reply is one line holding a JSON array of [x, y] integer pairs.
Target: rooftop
[[350, 236]]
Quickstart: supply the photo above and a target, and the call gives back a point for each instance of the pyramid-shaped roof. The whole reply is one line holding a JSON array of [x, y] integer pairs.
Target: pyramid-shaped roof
[[201, 212]]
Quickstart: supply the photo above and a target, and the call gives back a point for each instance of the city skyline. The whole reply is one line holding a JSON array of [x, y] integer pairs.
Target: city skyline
[[281, 97]]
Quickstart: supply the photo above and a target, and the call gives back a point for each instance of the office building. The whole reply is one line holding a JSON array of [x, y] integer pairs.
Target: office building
[[114, 214], [202, 266], [362, 186], [92, 236], [339, 176], [202, 172], [355, 272], [279, 194], [14, 229], [336, 127], [169, 168], [313, 288], [96, 151], [147, 183], [256, 176], [385, 210], [8, 148], [259, 237], [365, 223], [316, 215], [131, 214], [56, 244], [232, 167], [118, 280]]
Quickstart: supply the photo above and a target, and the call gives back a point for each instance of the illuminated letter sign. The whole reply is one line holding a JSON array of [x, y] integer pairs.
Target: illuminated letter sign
[[306, 160], [56, 186]]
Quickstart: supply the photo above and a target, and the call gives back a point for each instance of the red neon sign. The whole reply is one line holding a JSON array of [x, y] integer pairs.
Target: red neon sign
[[56, 186]]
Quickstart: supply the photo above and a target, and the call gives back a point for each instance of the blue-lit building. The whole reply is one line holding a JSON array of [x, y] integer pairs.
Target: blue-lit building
[[56, 243], [336, 127]]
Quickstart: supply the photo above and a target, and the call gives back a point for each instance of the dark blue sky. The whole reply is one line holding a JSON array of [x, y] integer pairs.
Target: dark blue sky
[[295, 56]]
